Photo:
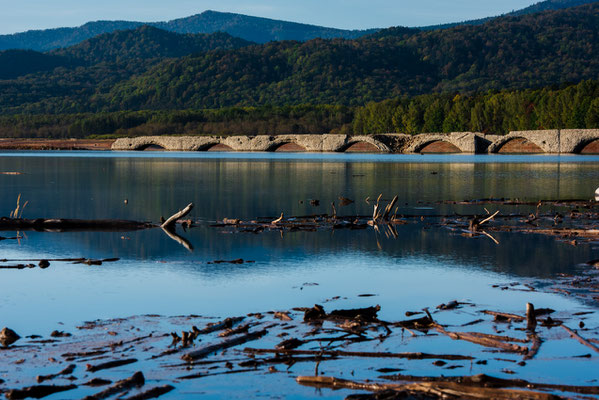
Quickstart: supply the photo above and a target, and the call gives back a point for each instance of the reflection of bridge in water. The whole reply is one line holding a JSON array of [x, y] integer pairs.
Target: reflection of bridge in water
[[575, 141]]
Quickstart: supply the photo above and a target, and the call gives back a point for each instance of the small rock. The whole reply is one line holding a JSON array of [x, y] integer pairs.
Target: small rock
[[43, 264], [8, 337], [56, 334]]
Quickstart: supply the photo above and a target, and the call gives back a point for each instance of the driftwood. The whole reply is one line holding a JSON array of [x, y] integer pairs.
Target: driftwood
[[151, 393], [72, 225], [483, 340], [580, 339], [225, 344], [219, 326], [438, 389], [339, 353], [136, 380], [507, 316], [110, 364], [490, 381], [325, 335], [534, 349], [476, 222], [67, 371], [37, 392], [180, 214]]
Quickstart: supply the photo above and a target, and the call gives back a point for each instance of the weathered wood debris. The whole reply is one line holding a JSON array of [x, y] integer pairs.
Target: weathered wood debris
[[106, 359], [574, 221], [69, 225]]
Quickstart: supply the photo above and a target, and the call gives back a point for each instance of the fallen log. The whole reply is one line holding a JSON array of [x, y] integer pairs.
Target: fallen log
[[439, 389], [110, 364], [72, 225], [136, 380], [508, 316], [339, 353], [180, 214], [534, 349], [483, 340], [37, 392], [219, 326], [153, 393], [206, 350], [580, 339], [66, 371], [493, 382]]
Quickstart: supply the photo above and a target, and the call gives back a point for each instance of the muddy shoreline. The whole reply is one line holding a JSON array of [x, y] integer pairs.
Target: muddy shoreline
[[55, 144]]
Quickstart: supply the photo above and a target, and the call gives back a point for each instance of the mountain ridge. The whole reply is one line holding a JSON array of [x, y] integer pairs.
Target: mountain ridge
[[531, 51], [254, 29], [545, 5]]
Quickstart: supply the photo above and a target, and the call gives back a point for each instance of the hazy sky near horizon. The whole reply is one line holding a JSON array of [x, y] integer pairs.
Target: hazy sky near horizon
[[22, 15]]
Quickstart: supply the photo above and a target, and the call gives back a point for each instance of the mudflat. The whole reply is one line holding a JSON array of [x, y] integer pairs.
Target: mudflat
[[55, 144]]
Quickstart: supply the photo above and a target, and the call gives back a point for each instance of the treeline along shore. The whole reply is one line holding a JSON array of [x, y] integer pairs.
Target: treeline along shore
[[494, 112]]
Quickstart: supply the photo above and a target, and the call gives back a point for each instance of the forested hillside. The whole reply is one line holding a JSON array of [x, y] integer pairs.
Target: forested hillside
[[575, 106], [147, 42], [425, 72], [512, 52]]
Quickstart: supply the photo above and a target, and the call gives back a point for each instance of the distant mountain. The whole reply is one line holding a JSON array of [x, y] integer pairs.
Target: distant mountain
[[48, 39], [535, 8], [254, 29], [146, 42], [128, 52], [552, 47], [530, 51]]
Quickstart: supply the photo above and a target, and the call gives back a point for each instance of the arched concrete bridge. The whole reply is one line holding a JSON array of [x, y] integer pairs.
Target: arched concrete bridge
[[548, 141]]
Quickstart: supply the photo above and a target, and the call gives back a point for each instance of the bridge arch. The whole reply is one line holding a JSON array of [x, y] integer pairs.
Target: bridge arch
[[214, 147], [149, 146], [589, 146], [437, 146], [363, 144], [288, 146], [440, 143], [516, 145]]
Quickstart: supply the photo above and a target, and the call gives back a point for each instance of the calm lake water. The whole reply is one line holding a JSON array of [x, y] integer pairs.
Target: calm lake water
[[423, 267]]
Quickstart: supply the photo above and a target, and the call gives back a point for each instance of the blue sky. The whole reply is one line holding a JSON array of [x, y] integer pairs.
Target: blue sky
[[21, 15]]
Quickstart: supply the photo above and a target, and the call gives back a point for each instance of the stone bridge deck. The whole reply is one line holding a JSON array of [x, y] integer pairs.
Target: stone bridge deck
[[548, 141]]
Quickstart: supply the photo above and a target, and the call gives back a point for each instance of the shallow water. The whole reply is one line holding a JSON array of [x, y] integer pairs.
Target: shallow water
[[156, 275], [424, 267]]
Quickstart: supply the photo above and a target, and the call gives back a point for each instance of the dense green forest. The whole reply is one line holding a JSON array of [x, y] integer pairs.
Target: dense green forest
[[532, 51], [226, 121], [508, 53], [574, 106], [146, 43]]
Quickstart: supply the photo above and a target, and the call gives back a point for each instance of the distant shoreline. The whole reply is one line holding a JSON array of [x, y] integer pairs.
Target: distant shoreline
[[56, 144]]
